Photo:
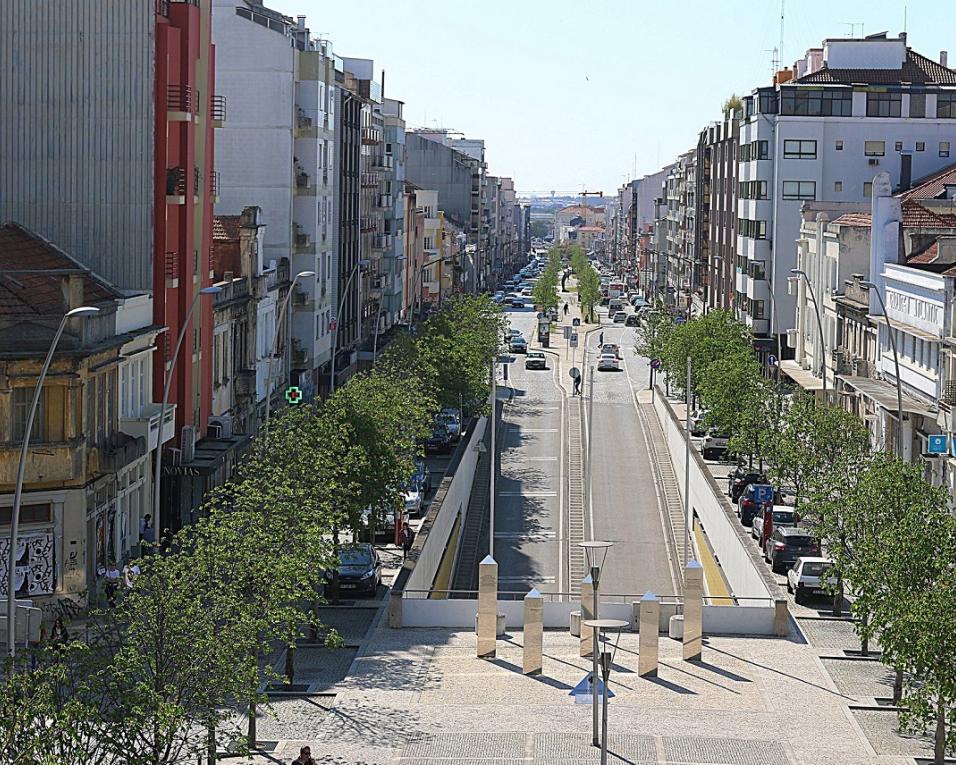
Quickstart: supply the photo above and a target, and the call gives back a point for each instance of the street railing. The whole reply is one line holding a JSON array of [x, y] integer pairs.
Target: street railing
[[564, 597]]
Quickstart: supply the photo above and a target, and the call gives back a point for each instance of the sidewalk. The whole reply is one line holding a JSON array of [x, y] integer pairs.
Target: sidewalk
[[559, 349]]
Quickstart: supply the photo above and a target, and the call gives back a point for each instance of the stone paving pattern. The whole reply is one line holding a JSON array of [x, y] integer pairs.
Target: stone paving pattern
[[864, 679]]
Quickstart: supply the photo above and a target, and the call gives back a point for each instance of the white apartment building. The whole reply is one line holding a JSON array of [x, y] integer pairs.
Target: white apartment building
[[856, 107], [277, 153], [393, 202]]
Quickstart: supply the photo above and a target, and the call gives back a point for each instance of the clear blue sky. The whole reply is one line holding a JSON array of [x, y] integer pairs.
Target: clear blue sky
[[574, 94]]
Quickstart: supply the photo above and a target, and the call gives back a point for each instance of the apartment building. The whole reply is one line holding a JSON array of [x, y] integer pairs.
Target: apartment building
[[277, 153], [821, 132], [717, 210], [393, 203], [88, 479]]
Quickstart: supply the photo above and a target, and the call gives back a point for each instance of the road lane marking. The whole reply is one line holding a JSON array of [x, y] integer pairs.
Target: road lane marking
[[523, 429], [527, 493], [526, 535]]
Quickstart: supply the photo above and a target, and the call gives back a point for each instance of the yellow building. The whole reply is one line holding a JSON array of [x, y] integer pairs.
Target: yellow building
[[88, 477]]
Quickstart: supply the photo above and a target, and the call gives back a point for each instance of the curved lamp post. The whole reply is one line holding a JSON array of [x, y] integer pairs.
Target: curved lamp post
[[596, 552], [896, 362], [338, 317], [280, 322], [418, 284], [157, 475], [816, 308], [82, 311]]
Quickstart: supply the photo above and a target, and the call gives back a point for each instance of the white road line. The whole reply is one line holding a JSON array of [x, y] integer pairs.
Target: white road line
[[528, 578], [514, 426], [526, 535], [527, 493]]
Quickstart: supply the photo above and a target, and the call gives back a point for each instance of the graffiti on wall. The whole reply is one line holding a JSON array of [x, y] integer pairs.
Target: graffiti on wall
[[35, 571]]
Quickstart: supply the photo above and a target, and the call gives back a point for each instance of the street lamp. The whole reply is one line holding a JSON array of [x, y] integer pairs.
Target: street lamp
[[595, 552], [418, 284], [280, 323], [378, 317], [169, 381], [80, 312], [338, 318], [896, 362], [816, 308], [600, 626]]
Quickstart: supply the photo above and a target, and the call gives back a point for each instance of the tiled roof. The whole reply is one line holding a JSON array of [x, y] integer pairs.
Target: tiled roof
[[931, 186], [916, 215], [225, 227], [928, 255], [917, 69], [854, 219], [38, 294]]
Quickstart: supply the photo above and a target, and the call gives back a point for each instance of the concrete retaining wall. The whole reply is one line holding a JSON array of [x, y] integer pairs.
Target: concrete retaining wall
[[736, 559]]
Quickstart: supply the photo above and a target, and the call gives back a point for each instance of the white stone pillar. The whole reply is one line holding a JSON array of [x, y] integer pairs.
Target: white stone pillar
[[587, 614], [533, 633], [649, 635], [693, 610], [487, 607]]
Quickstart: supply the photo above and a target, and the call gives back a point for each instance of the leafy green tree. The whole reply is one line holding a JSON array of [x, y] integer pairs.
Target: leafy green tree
[[705, 339], [545, 292]]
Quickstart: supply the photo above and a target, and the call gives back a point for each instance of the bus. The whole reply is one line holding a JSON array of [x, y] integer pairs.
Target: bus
[[615, 289]]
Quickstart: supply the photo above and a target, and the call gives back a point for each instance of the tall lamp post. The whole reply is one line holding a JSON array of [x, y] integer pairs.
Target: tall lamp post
[[601, 626], [418, 284], [80, 312], [896, 363], [816, 308], [595, 552], [157, 475], [338, 318], [280, 323]]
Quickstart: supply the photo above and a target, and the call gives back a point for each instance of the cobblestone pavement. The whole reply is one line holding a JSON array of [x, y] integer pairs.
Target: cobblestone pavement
[[832, 635], [882, 731], [860, 678]]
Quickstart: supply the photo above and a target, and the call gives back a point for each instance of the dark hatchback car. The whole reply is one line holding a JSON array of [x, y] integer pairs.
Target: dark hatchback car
[[740, 479], [786, 545], [440, 440], [360, 569]]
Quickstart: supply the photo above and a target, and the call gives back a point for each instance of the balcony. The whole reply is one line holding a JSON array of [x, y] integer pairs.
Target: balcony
[[179, 103], [371, 136], [304, 244], [948, 396], [214, 187], [147, 425], [176, 186], [305, 128], [370, 180], [383, 163], [381, 241], [217, 111], [61, 461], [171, 270], [367, 224], [304, 186], [383, 202]]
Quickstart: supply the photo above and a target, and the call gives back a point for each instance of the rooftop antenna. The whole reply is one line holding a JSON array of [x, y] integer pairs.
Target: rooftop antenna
[[853, 25], [780, 46], [904, 18]]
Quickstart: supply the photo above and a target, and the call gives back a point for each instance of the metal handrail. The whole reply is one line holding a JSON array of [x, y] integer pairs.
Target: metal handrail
[[571, 596]]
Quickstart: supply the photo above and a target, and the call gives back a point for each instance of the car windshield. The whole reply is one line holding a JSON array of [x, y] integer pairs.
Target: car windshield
[[782, 516], [799, 541], [355, 556], [816, 568]]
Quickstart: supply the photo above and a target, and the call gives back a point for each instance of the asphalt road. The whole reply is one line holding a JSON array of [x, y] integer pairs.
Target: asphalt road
[[531, 544]]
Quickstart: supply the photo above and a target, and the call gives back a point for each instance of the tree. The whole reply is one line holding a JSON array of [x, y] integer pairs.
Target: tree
[[731, 106], [705, 339]]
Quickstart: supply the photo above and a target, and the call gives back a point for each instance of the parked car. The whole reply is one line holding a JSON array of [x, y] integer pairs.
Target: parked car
[[715, 446], [413, 500], [633, 320], [498, 297], [535, 360], [509, 299], [518, 303], [748, 505], [740, 479], [772, 516], [620, 317], [811, 576], [518, 344], [697, 427], [359, 568], [439, 440], [510, 333], [786, 545], [609, 363], [451, 419]]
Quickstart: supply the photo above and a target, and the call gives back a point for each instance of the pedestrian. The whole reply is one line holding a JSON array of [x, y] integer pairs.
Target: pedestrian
[[305, 757], [112, 583], [408, 539], [601, 339], [565, 309], [577, 385], [147, 534], [59, 635], [130, 572]]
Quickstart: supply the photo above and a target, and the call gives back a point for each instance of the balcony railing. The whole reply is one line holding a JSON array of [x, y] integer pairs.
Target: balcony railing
[[371, 136], [369, 180], [171, 269], [176, 184], [179, 98], [368, 224], [214, 186], [949, 393], [217, 110]]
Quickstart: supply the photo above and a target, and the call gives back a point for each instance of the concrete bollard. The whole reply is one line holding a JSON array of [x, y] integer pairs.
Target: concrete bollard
[[533, 633], [693, 610], [487, 607], [575, 627], [781, 617], [587, 613], [650, 627]]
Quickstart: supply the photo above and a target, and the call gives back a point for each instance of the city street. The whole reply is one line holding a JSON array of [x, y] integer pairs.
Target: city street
[[532, 540]]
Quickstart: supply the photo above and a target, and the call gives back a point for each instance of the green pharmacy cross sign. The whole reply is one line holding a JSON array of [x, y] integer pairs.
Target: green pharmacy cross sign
[[293, 394]]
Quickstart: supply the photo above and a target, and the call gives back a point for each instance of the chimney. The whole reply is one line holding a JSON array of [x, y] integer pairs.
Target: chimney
[[73, 291], [944, 58], [300, 23], [903, 37]]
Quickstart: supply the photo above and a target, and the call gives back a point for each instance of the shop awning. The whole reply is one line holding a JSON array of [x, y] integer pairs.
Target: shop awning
[[802, 377], [884, 394]]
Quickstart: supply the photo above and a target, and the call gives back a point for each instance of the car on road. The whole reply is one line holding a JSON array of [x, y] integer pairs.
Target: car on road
[[511, 332], [614, 305], [633, 320], [609, 363], [518, 303], [697, 427], [811, 576], [518, 344], [747, 503], [740, 479], [786, 545], [770, 517], [620, 317], [535, 360], [638, 302], [714, 446], [612, 348], [498, 297], [359, 568], [413, 500], [439, 440], [509, 299], [452, 421]]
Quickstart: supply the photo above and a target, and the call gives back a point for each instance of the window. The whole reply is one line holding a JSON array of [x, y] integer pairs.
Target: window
[[839, 146], [920, 146], [867, 189], [831, 102], [946, 105], [757, 309], [21, 399], [767, 101], [917, 104], [884, 104], [757, 270], [944, 148], [798, 149], [874, 148], [760, 150], [752, 190], [799, 190], [899, 146], [838, 185]]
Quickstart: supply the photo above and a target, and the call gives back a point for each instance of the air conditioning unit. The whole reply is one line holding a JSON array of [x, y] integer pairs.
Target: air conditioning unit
[[224, 425], [188, 443], [873, 161]]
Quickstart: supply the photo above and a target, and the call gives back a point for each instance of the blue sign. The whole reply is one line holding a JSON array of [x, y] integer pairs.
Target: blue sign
[[771, 360], [680, 320], [938, 444], [763, 492], [576, 321], [655, 363], [582, 692]]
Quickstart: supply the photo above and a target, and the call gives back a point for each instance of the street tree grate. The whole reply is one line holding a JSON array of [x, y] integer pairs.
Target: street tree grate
[[723, 751], [881, 728], [576, 747], [469, 746]]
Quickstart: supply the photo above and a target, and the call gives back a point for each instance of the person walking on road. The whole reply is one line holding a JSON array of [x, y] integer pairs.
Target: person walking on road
[[112, 583], [565, 309], [408, 539], [577, 385], [601, 339]]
